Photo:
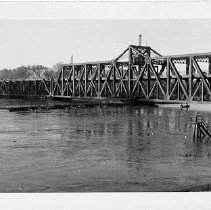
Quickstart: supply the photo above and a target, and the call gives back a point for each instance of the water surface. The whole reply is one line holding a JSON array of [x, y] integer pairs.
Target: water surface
[[131, 148]]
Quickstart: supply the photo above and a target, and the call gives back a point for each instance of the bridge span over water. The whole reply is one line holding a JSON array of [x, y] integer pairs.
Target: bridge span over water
[[139, 72]]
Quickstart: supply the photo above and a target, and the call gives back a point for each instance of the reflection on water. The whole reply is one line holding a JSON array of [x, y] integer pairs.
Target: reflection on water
[[101, 149]]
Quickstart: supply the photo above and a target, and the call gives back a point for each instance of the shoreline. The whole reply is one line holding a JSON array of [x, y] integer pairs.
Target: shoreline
[[116, 102]]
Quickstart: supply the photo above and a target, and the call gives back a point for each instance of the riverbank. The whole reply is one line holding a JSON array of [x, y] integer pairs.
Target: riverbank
[[46, 103]]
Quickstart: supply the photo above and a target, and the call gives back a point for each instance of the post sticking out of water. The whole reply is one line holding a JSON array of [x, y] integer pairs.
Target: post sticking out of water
[[197, 132], [139, 40], [200, 128]]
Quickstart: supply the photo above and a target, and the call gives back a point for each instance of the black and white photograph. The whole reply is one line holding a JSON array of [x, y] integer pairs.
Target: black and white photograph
[[103, 105]]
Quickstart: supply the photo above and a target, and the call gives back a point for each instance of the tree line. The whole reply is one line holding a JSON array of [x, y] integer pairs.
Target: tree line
[[31, 72]]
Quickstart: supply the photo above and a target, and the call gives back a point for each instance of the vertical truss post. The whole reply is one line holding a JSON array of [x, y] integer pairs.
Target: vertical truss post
[[73, 80], [28, 89], [190, 78], [139, 71], [50, 87], [91, 85], [99, 80], [121, 81], [187, 60], [178, 92], [114, 80], [167, 80], [202, 92], [209, 63], [79, 81], [85, 80], [130, 73], [148, 81], [62, 78], [157, 91]]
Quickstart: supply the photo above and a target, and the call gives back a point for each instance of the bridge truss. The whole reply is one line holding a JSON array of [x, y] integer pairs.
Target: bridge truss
[[139, 72], [23, 88]]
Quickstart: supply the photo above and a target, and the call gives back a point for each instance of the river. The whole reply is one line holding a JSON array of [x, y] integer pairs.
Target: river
[[101, 149]]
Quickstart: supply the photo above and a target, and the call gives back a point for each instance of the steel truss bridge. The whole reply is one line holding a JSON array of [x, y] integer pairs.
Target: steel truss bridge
[[139, 72]]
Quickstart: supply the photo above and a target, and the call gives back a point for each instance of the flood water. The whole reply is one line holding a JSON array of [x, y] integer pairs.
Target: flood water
[[131, 148]]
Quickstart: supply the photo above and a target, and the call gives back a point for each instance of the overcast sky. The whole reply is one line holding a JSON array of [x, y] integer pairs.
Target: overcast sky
[[46, 42]]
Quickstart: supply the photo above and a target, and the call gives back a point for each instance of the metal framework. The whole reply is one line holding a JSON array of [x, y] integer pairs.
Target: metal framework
[[24, 88], [139, 72]]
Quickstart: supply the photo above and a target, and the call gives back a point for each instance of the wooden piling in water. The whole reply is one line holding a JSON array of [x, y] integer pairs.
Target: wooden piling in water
[[200, 128]]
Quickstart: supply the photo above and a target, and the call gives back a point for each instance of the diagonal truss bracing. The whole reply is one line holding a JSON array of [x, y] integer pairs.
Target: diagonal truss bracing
[[135, 73], [139, 72]]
